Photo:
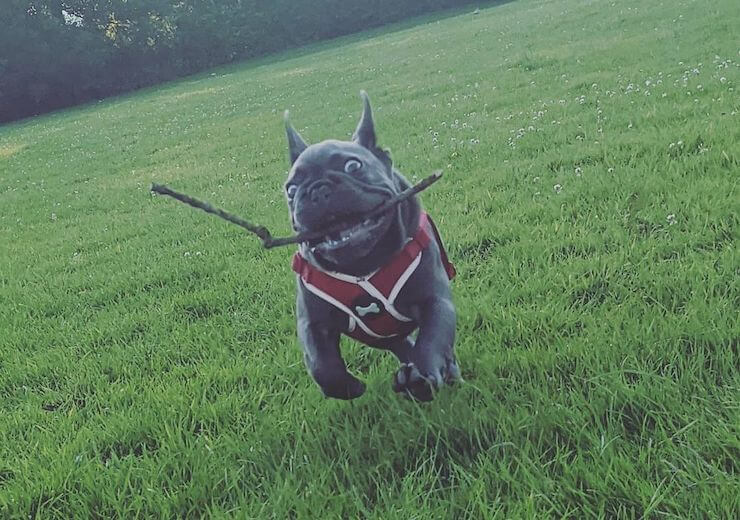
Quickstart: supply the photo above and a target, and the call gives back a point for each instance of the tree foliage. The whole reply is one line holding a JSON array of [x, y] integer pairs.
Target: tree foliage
[[59, 53]]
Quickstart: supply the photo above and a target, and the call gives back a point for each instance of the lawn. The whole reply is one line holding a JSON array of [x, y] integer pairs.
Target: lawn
[[149, 365]]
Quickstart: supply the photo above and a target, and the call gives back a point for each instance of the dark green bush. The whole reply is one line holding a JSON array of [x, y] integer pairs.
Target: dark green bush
[[59, 53]]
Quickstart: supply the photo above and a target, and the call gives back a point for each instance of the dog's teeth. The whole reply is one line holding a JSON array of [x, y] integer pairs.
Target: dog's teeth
[[367, 222]]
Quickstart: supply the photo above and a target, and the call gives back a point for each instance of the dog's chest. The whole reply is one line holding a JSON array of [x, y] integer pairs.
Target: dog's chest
[[369, 302]]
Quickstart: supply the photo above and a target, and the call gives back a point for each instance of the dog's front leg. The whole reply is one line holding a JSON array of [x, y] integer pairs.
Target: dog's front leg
[[319, 337], [324, 361], [431, 361]]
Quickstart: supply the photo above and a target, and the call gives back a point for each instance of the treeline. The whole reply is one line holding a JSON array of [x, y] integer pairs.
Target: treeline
[[55, 54]]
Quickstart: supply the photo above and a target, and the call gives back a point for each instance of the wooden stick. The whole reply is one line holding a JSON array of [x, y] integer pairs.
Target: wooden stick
[[264, 234], [260, 231]]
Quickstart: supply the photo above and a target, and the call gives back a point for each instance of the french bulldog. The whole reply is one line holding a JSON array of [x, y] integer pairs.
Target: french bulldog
[[378, 281]]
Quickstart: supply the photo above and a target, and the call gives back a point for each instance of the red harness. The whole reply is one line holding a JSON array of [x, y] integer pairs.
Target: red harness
[[369, 301]]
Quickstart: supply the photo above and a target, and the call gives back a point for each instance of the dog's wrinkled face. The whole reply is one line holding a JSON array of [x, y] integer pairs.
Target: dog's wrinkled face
[[339, 181]]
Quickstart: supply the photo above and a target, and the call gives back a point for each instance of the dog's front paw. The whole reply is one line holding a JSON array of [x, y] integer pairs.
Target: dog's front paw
[[412, 383], [348, 387]]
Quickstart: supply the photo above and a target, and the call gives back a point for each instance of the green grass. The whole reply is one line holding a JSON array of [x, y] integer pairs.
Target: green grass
[[149, 364]]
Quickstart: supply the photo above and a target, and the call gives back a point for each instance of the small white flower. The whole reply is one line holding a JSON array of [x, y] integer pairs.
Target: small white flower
[[53, 217], [578, 171], [671, 219], [610, 170], [558, 188]]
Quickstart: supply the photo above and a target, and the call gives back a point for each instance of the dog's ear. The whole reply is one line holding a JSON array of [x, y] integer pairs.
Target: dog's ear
[[296, 144], [365, 133]]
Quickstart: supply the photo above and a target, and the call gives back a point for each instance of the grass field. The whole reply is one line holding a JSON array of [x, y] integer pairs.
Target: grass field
[[149, 365]]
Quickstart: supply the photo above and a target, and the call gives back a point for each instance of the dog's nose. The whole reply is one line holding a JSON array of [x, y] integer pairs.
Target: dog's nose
[[319, 193]]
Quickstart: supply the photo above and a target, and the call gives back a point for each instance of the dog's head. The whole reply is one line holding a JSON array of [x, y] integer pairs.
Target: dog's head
[[334, 181]]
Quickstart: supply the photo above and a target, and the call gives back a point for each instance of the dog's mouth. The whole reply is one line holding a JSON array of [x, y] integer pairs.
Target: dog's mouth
[[356, 236]]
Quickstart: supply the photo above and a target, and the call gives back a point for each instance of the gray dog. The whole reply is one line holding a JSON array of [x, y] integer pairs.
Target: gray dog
[[376, 282]]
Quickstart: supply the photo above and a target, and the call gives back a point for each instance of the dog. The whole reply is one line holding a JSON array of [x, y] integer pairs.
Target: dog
[[376, 282]]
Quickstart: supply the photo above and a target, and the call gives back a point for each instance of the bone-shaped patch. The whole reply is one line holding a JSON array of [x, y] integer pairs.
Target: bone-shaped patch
[[370, 309]]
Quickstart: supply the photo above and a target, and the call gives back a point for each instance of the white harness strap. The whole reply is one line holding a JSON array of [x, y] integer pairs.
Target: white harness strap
[[388, 303], [339, 305]]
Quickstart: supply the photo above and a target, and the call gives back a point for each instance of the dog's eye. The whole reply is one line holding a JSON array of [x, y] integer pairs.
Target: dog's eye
[[290, 190], [352, 166]]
